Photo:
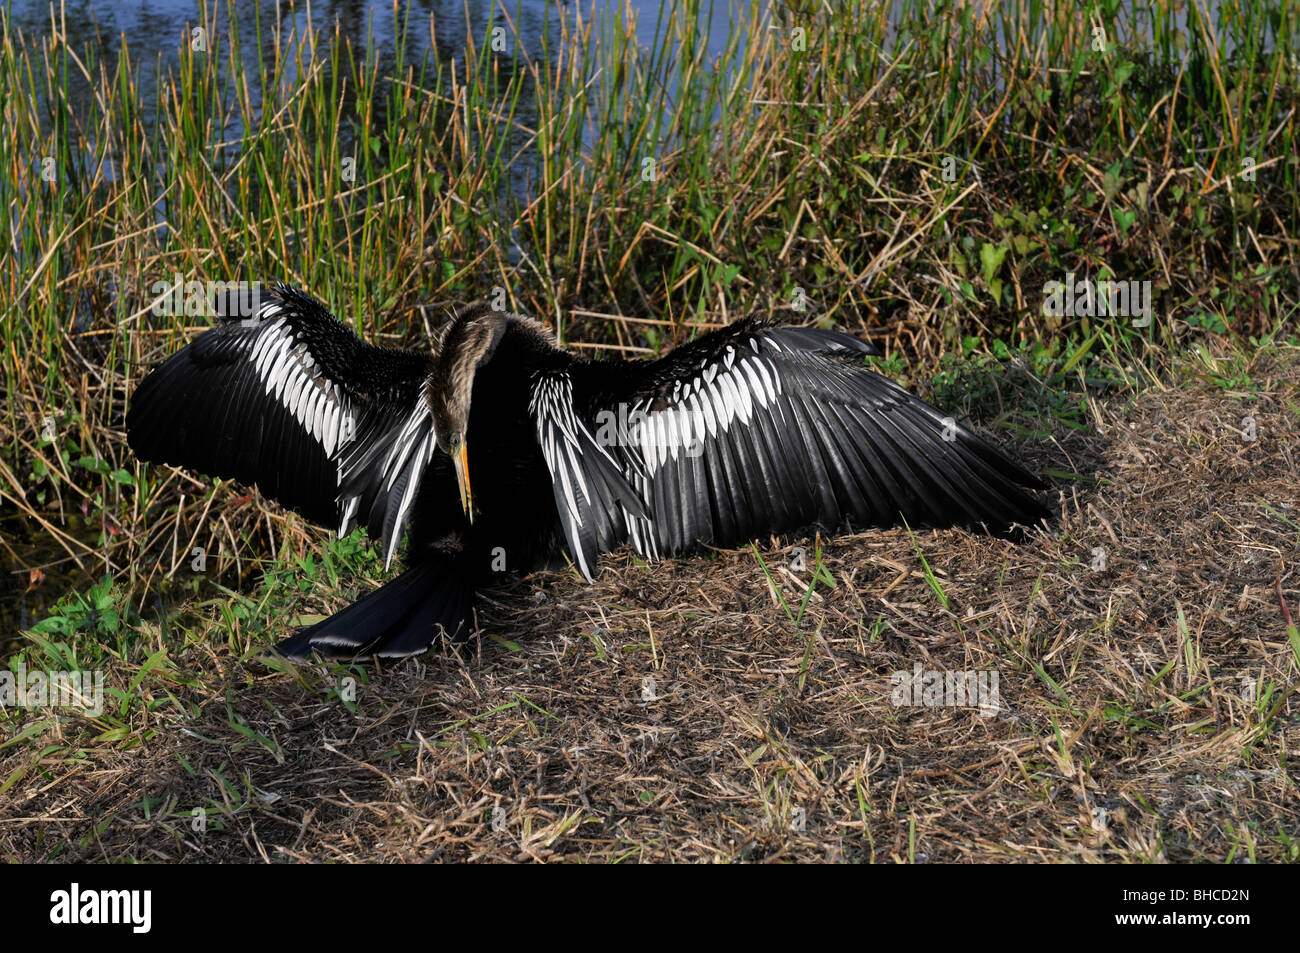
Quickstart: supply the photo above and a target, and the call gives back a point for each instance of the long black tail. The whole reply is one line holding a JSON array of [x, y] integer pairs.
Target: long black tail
[[403, 617]]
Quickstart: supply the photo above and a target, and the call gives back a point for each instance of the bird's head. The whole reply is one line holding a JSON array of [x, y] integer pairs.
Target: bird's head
[[466, 344]]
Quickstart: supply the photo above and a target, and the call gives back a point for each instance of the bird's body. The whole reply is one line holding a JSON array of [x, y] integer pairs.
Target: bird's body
[[749, 430]]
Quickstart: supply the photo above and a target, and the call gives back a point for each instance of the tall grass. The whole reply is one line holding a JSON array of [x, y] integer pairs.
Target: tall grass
[[918, 170]]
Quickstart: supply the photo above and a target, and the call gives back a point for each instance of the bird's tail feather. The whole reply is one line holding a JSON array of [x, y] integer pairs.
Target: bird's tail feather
[[432, 599]]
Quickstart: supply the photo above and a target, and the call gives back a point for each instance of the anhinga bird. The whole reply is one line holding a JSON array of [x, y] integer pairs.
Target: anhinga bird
[[745, 431]]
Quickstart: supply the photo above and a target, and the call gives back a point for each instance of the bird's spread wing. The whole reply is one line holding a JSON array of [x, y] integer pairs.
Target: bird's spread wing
[[292, 401], [760, 430]]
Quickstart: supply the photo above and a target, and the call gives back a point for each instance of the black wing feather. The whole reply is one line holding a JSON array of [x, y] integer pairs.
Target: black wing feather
[[290, 400], [797, 431]]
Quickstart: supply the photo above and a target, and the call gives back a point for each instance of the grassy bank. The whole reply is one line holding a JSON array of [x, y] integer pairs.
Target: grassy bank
[[1146, 708]]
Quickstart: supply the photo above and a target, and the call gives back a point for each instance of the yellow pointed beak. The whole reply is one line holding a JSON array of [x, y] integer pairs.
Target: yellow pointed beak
[[460, 458]]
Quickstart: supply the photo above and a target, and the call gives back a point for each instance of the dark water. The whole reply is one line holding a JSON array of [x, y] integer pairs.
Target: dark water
[[400, 38], [154, 30], [159, 26]]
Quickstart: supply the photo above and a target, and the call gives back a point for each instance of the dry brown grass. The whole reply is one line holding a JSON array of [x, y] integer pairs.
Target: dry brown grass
[[1124, 734]]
